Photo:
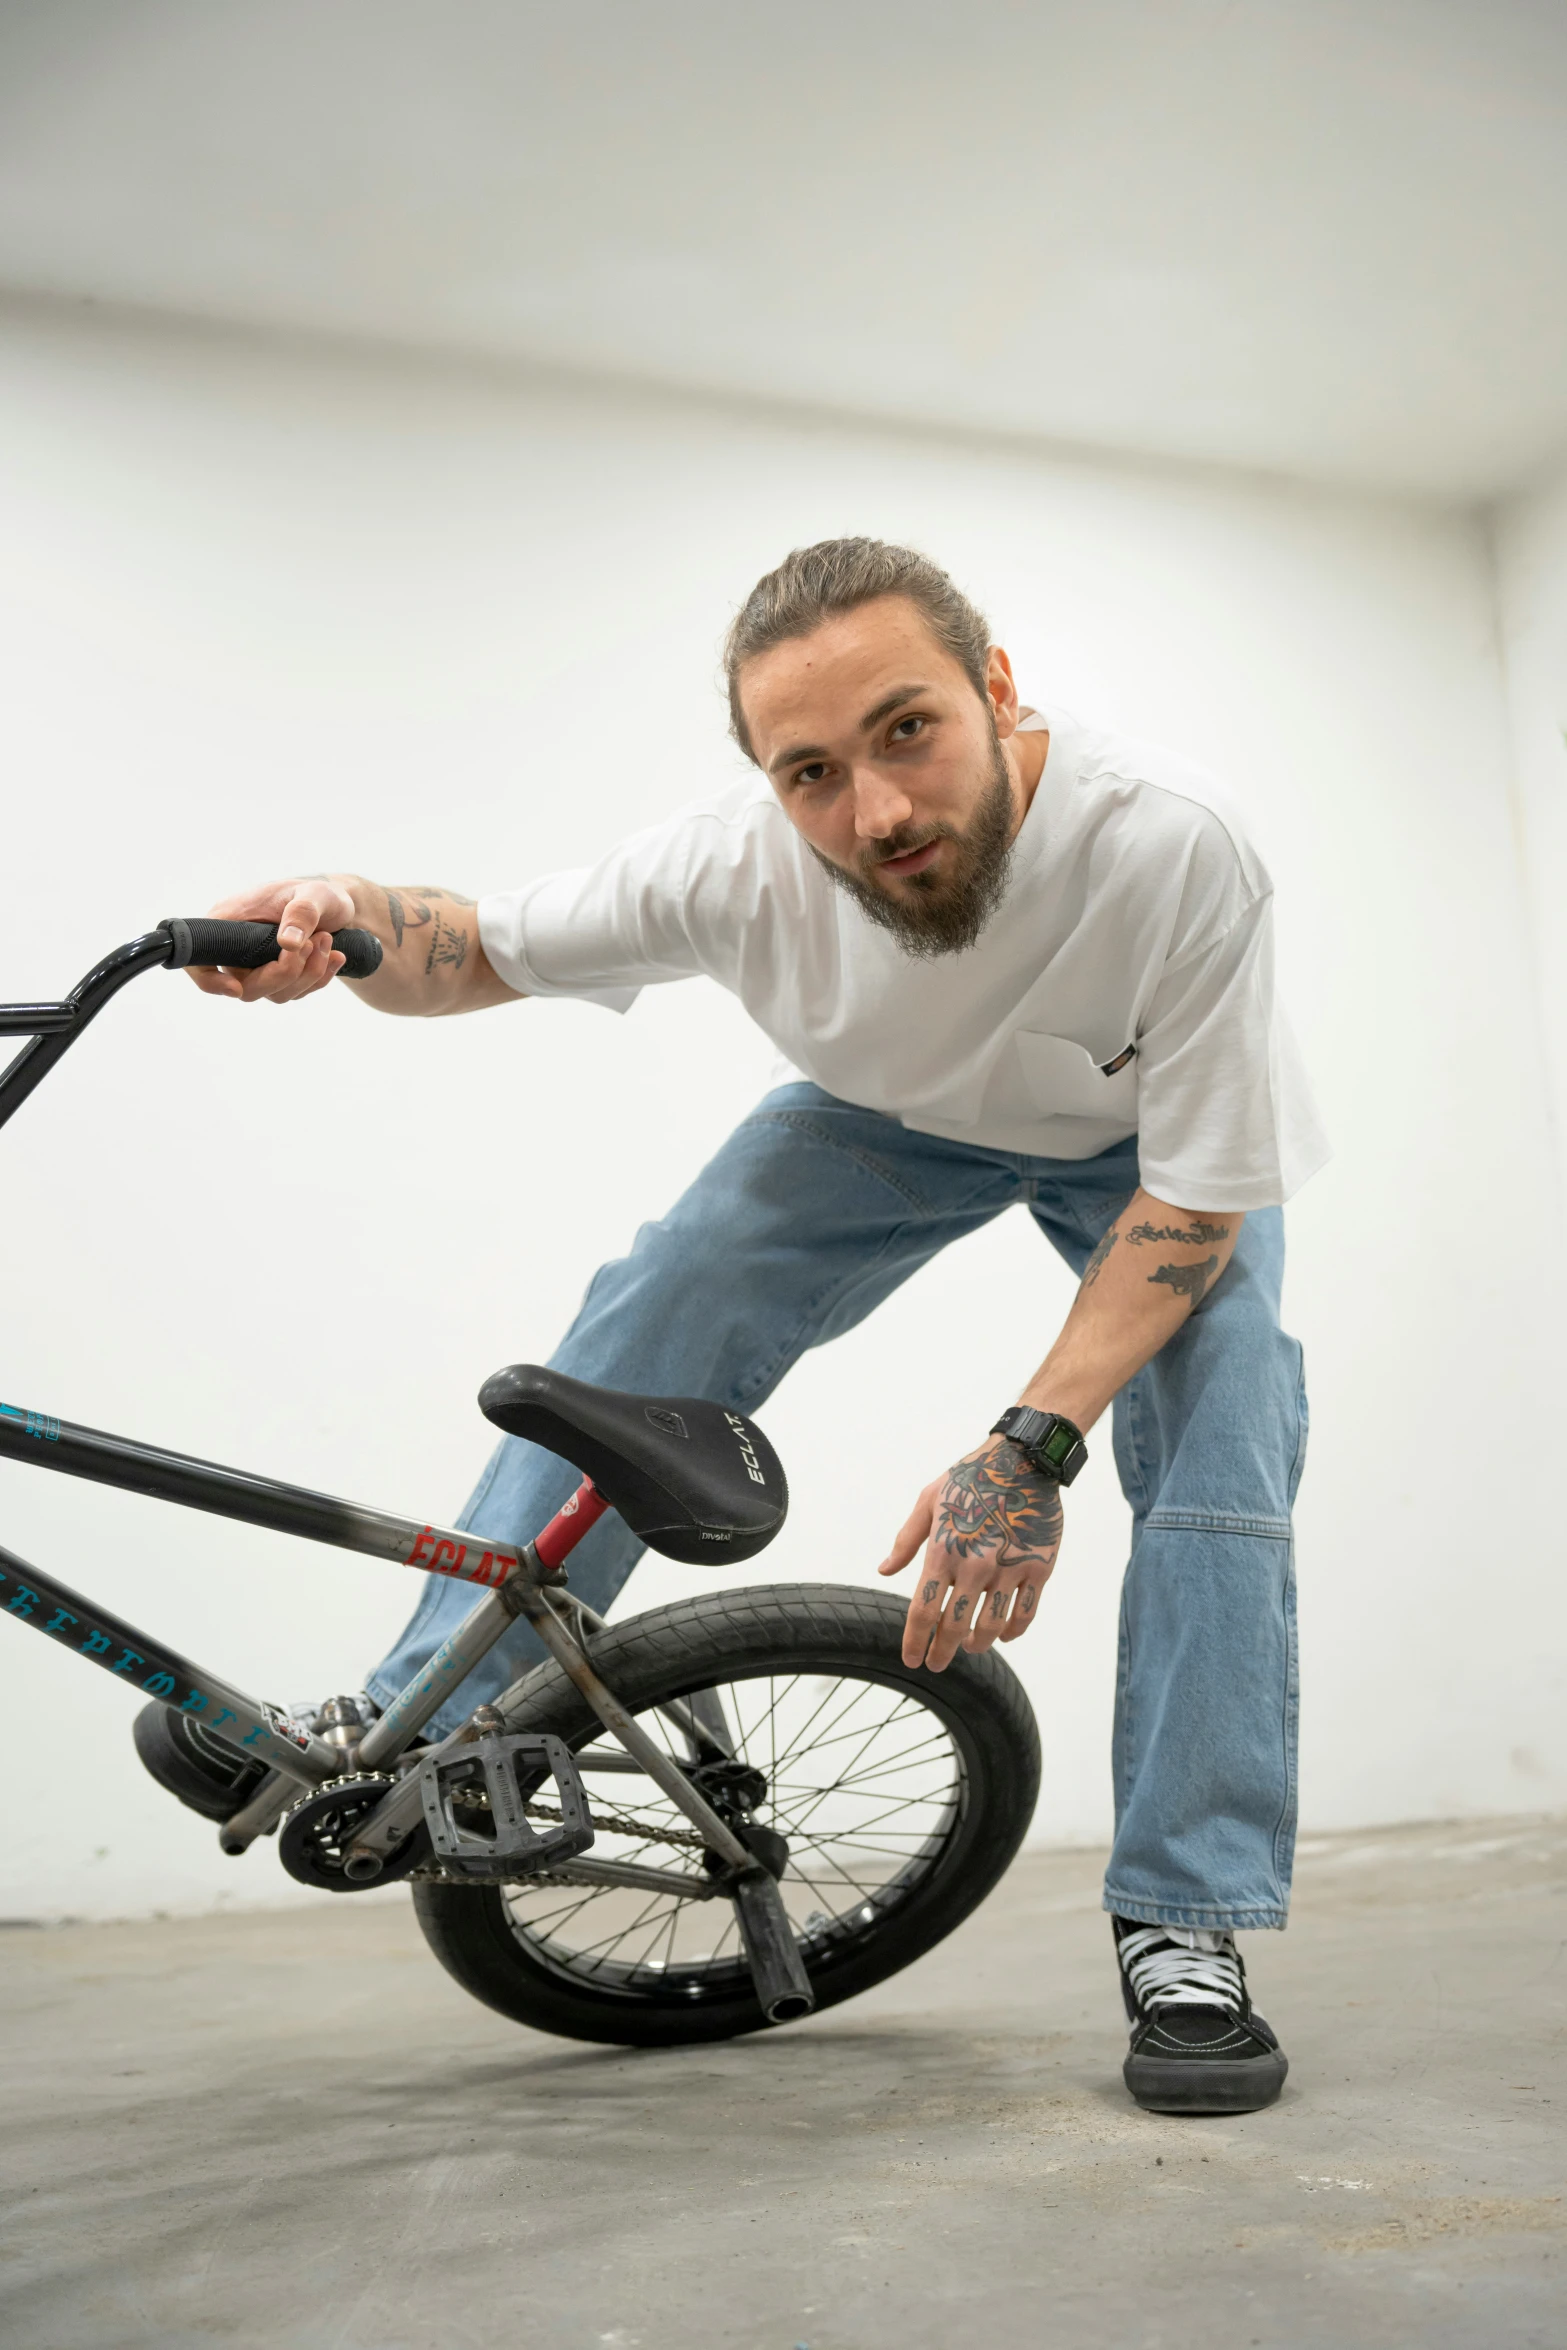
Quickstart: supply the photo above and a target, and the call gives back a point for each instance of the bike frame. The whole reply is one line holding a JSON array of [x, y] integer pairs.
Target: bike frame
[[524, 1582]]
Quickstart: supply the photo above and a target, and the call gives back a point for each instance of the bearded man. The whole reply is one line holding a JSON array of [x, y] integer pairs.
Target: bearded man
[[1006, 958]]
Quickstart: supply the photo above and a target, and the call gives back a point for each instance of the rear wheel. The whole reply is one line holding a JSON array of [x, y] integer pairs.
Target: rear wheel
[[901, 1795]]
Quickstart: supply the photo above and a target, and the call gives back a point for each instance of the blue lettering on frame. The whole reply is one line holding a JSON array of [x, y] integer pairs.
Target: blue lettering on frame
[[22, 1604], [43, 1425], [58, 1621]]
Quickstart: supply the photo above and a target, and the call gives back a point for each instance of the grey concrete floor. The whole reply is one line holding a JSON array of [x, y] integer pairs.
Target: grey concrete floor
[[292, 2130]]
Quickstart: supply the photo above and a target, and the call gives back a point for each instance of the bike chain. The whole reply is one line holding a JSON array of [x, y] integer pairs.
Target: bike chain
[[607, 1822], [616, 1824]]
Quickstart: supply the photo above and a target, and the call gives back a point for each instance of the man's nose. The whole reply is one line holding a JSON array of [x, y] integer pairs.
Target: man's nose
[[880, 806]]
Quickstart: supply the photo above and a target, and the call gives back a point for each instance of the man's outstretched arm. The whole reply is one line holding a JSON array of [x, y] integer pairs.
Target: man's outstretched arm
[[991, 1527], [432, 958]]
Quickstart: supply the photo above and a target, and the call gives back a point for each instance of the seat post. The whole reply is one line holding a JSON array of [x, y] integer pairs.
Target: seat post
[[571, 1522]]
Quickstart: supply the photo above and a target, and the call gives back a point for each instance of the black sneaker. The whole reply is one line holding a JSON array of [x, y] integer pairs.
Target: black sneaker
[[205, 1774], [1198, 2046]]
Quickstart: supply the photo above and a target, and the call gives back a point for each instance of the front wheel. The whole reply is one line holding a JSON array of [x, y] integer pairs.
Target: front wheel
[[902, 1795]]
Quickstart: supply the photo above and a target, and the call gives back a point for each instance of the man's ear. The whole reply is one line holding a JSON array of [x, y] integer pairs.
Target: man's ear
[[1001, 691]]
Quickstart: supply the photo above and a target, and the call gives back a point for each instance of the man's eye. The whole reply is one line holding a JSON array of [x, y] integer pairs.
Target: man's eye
[[906, 729], [814, 773]]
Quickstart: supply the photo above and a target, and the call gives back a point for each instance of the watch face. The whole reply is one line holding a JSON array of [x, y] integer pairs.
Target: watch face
[[1059, 1446]]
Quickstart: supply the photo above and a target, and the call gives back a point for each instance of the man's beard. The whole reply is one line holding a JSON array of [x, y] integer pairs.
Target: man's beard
[[932, 913]]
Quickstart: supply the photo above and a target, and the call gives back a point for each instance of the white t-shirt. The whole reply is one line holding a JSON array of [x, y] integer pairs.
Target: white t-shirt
[[1137, 914]]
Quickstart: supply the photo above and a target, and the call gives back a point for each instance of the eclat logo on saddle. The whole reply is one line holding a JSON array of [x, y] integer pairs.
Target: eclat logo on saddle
[[753, 1467]]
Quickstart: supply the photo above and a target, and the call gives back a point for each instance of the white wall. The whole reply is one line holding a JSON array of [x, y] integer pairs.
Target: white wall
[[265, 610], [1530, 551]]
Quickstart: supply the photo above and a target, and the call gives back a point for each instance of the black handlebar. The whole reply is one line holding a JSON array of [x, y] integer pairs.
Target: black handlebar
[[246, 946], [53, 1028]]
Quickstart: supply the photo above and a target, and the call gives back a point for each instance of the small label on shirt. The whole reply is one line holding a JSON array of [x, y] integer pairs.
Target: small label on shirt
[[1109, 1068]]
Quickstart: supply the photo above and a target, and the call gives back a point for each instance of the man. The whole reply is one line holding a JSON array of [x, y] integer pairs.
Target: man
[[1007, 959]]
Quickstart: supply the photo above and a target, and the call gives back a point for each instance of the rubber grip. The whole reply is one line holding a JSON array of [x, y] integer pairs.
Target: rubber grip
[[246, 946]]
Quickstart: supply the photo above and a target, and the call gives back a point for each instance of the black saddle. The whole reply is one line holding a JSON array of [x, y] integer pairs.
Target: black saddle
[[693, 1480]]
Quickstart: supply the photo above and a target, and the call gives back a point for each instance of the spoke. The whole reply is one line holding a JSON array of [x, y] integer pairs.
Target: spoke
[[861, 1827], [769, 1718], [620, 1934], [834, 1690], [827, 1737], [858, 1787], [858, 1733], [865, 1892], [859, 1844], [821, 1798], [835, 1747], [933, 1739], [569, 1909]]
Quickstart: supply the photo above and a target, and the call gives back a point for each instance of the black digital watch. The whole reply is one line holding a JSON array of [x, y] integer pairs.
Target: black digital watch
[[1049, 1444]]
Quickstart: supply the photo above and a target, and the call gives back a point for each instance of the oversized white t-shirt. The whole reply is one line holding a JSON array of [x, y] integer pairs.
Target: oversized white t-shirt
[[1137, 916]]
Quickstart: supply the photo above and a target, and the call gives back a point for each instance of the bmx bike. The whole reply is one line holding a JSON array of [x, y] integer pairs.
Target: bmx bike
[[789, 1813]]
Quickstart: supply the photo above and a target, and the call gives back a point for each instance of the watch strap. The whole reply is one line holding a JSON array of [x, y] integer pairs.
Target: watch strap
[[1052, 1445]]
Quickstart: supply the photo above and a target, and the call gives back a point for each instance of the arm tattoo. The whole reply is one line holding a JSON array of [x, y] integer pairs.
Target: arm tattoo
[[1188, 1280], [413, 908], [447, 945], [1096, 1263], [992, 1511], [1202, 1233]]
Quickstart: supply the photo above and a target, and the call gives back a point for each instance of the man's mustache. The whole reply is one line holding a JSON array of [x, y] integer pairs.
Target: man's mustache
[[903, 843]]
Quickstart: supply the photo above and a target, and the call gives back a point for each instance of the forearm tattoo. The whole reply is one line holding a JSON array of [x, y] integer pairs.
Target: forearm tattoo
[[1096, 1263], [1201, 1234], [447, 945], [1191, 1281], [989, 1509], [416, 909]]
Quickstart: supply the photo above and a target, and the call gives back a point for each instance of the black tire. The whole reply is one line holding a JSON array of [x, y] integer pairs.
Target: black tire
[[499, 1944]]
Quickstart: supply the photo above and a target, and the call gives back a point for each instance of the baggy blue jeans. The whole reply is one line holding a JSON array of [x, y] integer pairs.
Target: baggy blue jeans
[[810, 1215]]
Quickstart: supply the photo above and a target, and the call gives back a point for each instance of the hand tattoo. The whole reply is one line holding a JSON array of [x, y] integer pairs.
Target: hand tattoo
[[931, 1593], [988, 1509], [1188, 1280]]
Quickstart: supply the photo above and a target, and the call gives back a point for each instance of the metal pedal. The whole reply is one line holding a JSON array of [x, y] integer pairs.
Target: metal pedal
[[474, 1806]]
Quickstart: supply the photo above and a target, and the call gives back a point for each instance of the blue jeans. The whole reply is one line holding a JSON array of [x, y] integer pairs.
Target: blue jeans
[[809, 1216]]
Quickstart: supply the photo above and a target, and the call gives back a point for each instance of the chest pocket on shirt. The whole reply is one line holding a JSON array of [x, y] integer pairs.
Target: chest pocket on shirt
[[1066, 1081]]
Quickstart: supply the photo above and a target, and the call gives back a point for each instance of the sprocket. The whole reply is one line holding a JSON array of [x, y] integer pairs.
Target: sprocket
[[317, 1829]]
